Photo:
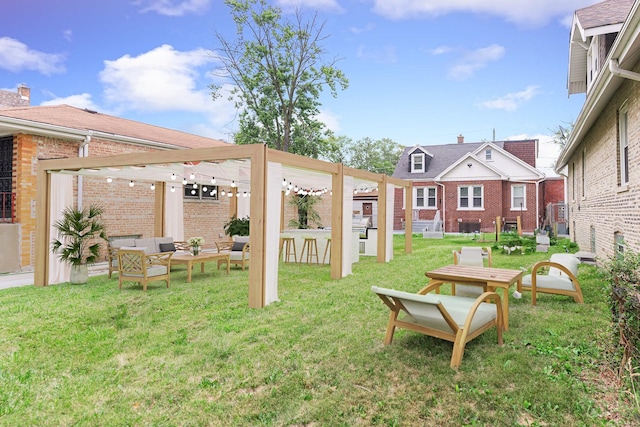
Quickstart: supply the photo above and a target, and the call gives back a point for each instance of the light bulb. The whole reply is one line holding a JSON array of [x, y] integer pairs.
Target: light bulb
[[192, 176], [195, 185], [204, 188], [109, 180], [223, 192], [233, 184], [173, 177], [131, 184], [244, 194], [184, 181], [284, 182], [153, 186], [213, 179], [173, 189]]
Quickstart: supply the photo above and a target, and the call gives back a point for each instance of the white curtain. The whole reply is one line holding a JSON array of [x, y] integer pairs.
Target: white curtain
[[61, 197], [272, 231], [174, 213], [347, 227]]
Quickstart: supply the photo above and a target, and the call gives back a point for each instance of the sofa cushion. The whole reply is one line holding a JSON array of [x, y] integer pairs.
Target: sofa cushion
[[149, 244], [118, 243]]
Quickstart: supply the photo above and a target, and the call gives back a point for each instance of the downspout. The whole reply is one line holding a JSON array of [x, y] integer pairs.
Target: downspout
[[83, 151], [617, 71], [444, 205]]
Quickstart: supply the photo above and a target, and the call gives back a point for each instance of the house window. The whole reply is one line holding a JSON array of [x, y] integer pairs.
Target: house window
[[624, 145], [619, 243], [417, 162], [487, 154], [592, 61], [424, 197], [518, 197], [470, 197], [200, 192]]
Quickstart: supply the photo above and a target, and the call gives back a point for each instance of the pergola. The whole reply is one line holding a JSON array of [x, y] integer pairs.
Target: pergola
[[255, 167]]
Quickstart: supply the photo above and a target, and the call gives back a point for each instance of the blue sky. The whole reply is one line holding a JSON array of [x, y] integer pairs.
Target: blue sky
[[420, 71]]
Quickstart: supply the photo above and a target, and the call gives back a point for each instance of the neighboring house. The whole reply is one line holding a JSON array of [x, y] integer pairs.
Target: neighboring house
[[473, 183], [28, 134], [20, 98], [602, 154]]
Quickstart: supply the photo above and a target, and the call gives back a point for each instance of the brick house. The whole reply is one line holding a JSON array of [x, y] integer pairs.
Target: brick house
[[602, 154], [28, 134], [471, 184]]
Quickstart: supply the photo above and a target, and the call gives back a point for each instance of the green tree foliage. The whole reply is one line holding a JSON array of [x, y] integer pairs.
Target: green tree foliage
[[278, 71], [378, 156]]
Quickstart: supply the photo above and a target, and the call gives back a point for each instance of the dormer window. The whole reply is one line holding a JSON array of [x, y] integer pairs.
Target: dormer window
[[417, 162], [487, 154]]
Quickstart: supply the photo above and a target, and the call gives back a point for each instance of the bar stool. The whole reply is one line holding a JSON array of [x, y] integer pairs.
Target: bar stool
[[288, 243], [311, 245], [327, 248]]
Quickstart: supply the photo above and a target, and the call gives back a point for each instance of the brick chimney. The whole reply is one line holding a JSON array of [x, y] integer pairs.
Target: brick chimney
[[460, 139], [25, 93]]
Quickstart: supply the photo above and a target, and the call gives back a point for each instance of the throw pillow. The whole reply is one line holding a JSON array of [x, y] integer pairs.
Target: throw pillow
[[167, 247], [237, 246]]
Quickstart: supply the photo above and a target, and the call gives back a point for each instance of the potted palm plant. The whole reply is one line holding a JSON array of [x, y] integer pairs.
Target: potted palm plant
[[78, 244]]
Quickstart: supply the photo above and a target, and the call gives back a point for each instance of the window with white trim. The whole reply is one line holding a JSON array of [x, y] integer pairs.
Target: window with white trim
[[424, 197], [417, 162], [201, 192], [488, 154], [518, 197], [623, 154], [471, 197]]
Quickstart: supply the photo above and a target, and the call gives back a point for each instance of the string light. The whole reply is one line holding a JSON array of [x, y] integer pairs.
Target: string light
[[131, 184], [153, 185], [184, 181], [194, 185], [109, 180], [173, 177], [213, 180], [192, 176], [173, 189], [233, 184], [223, 192]]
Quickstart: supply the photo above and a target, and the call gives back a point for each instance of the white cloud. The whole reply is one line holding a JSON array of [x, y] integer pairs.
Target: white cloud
[[331, 120], [475, 60], [324, 5], [162, 79], [174, 7], [16, 56], [82, 100], [68, 35], [511, 101], [529, 13], [383, 55], [441, 50], [359, 30]]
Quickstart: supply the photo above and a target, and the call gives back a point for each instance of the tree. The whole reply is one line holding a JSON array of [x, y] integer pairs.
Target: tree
[[380, 156], [561, 134], [278, 71]]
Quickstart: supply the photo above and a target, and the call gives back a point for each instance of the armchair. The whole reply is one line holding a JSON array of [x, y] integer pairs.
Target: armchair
[[238, 251], [136, 266], [475, 256], [561, 278]]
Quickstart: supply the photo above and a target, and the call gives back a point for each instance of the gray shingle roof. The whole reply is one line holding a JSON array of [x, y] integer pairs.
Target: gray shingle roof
[[443, 157], [608, 12], [74, 118]]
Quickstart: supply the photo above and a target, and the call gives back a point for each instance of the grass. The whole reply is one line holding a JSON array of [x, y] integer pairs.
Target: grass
[[195, 355]]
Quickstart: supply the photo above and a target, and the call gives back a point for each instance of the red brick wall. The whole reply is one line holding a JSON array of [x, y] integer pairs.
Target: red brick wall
[[524, 150], [553, 190]]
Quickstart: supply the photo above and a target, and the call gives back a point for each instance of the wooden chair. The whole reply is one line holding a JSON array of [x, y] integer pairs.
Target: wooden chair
[[452, 318], [238, 252], [475, 256], [561, 278], [136, 266]]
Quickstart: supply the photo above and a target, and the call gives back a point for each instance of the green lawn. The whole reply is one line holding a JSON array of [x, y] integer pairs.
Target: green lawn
[[196, 355]]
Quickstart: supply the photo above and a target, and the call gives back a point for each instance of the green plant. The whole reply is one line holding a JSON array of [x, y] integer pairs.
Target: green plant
[[78, 231], [237, 226], [307, 215]]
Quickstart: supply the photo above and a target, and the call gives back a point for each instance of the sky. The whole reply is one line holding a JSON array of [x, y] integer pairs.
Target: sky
[[421, 72]]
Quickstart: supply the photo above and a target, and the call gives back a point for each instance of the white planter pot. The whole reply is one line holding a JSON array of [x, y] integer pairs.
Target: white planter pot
[[79, 274]]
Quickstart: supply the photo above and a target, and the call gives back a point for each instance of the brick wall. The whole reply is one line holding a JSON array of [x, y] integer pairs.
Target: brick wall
[[524, 150], [605, 206]]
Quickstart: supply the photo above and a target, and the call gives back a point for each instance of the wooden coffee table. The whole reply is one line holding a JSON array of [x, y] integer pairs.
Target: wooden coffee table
[[202, 257]]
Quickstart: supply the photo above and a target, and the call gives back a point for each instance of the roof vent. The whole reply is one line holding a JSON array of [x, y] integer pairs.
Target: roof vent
[[90, 111]]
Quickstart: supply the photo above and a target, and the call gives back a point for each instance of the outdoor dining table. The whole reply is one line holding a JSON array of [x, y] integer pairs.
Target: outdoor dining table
[[492, 278], [202, 257]]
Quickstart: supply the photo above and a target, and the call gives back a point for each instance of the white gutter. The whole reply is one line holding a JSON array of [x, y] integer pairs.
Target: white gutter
[[617, 71]]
